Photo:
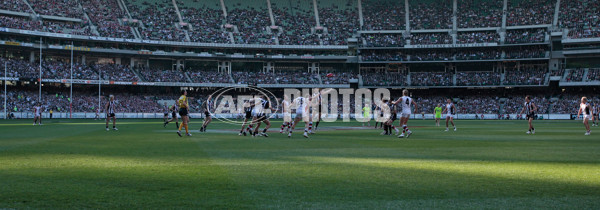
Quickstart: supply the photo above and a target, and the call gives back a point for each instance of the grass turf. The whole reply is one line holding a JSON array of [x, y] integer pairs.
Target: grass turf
[[485, 164]]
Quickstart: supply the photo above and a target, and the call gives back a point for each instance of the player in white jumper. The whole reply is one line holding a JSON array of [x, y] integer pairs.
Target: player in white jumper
[[37, 114], [586, 109], [450, 110], [287, 116], [406, 103], [302, 113]]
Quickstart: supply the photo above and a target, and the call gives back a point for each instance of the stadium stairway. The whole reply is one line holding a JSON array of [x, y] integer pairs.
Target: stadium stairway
[[585, 75], [187, 77], [30, 7], [93, 27], [319, 78], [137, 74]]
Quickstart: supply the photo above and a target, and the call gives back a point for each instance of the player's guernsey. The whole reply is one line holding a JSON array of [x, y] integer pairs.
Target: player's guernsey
[[111, 107], [529, 108], [438, 112], [302, 106], [259, 108], [586, 109], [37, 110], [182, 102], [406, 102], [366, 111], [166, 109], [285, 105], [450, 108]]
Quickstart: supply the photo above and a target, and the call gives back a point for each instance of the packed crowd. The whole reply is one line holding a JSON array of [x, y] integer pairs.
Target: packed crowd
[[384, 79], [534, 12], [159, 20], [593, 75], [430, 38], [251, 24], [383, 40], [18, 22], [206, 24], [514, 104], [62, 8], [340, 24], [580, 17], [383, 15], [477, 37], [569, 103], [105, 16], [525, 36], [431, 79], [14, 5], [479, 14], [19, 68], [279, 77], [115, 72], [297, 26], [62, 70], [526, 52], [158, 75], [575, 75], [59, 101], [432, 14], [534, 75], [208, 76], [383, 56], [337, 77], [478, 78]]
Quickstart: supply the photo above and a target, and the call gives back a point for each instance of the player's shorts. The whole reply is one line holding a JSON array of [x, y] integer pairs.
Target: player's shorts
[[405, 114], [531, 115], [438, 116], [174, 114], [450, 116], [183, 112], [248, 115], [589, 117], [394, 117], [37, 115], [207, 114], [287, 116], [166, 114], [299, 112], [261, 117], [110, 115]]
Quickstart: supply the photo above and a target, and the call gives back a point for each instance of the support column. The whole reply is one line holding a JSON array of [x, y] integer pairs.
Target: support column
[[31, 57], [454, 8], [270, 12], [407, 15], [316, 13], [504, 13], [360, 15], [117, 61]]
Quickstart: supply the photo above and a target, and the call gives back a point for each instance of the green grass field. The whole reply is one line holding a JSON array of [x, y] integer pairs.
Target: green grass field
[[485, 164]]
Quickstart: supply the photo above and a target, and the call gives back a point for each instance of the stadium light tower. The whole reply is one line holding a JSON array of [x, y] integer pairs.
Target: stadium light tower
[[5, 93], [40, 81], [71, 96]]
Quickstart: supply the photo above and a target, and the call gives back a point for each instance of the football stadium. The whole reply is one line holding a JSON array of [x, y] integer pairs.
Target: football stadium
[[299, 104]]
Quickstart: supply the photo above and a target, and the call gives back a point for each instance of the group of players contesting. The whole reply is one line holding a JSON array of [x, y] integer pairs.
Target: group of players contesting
[[255, 114]]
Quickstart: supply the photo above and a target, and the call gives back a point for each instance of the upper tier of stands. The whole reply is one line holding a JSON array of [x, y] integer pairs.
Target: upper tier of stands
[[292, 22]]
